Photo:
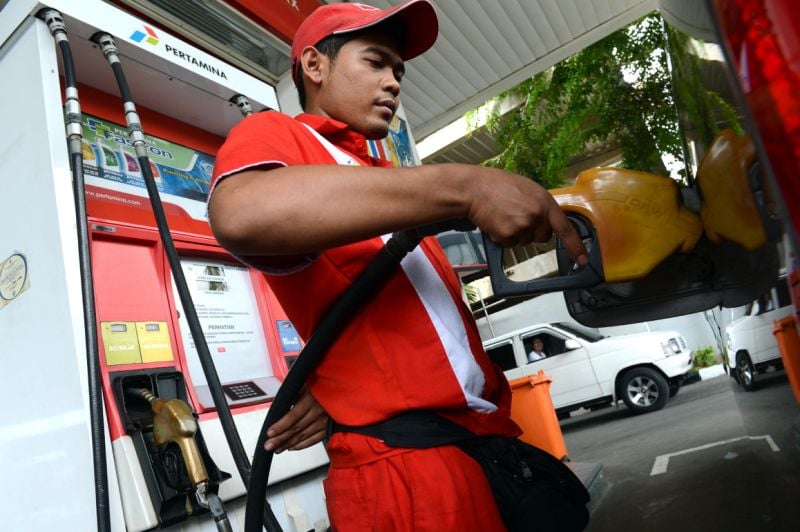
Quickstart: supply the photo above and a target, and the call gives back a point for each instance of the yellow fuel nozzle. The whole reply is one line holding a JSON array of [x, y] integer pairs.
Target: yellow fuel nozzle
[[629, 221], [173, 421], [639, 219]]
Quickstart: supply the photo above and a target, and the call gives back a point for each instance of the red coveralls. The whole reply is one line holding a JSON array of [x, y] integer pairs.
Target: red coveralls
[[415, 346]]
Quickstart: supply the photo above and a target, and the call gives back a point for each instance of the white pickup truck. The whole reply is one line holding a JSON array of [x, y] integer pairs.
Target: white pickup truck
[[590, 370], [752, 346]]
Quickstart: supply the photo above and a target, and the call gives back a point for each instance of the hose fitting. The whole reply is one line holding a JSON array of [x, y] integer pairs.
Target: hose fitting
[[55, 23], [132, 120], [243, 104], [107, 46], [72, 107]]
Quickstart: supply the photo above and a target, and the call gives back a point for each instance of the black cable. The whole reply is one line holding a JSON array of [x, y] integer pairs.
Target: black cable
[[190, 313], [93, 353], [341, 312], [238, 452], [70, 77], [74, 140], [122, 83]]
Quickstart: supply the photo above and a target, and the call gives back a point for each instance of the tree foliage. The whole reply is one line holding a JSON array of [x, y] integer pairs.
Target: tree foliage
[[616, 92]]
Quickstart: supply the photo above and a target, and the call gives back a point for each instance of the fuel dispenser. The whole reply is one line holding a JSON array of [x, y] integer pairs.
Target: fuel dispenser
[[163, 430]]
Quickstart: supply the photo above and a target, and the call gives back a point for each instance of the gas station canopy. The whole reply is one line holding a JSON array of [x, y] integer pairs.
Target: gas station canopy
[[483, 48]]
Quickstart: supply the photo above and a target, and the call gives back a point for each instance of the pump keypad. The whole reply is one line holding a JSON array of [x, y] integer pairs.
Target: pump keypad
[[243, 390]]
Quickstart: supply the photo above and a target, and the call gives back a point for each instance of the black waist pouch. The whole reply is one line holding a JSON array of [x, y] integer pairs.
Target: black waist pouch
[[534, 490]]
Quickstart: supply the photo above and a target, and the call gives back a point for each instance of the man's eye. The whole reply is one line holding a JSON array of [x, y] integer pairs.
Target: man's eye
[[375, 63]]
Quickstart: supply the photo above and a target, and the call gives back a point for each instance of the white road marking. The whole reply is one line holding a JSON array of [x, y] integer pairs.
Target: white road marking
[[661, 462]]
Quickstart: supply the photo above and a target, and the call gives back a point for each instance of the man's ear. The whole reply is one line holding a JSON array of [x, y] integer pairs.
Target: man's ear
[[313, 64]]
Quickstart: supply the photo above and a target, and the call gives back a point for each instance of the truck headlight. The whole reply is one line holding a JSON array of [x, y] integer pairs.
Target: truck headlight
[[671, 347]]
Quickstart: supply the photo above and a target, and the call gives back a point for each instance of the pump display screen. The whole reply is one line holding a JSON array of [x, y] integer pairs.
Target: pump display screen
[[223, 296]]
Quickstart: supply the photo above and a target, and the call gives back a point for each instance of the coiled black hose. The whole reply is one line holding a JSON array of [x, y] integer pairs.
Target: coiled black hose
[[358, 294]]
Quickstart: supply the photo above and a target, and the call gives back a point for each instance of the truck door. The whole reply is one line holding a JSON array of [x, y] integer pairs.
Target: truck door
[[574, 380]]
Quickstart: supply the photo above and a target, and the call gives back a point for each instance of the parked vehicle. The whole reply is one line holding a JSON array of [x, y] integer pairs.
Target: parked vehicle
[[751, 343], [590, 370]]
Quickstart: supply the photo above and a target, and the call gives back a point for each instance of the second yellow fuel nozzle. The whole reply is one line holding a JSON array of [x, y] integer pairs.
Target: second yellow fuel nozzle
[[182, 478], [174, 422]]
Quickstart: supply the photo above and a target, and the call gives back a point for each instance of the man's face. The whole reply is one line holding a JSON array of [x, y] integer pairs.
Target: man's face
[[537, 345], [362, 85]]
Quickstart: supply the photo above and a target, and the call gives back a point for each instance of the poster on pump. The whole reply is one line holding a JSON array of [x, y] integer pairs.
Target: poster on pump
[[182, 174]]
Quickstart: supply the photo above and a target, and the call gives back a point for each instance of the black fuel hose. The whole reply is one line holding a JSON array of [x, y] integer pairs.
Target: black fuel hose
[[109, 49], [340, 313], [57, 28]]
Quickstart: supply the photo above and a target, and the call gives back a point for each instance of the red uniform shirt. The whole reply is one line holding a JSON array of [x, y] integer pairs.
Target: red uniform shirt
[[415, 345]]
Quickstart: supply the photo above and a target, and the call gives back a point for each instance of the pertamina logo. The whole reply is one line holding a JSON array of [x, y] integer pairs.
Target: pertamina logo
[[150, 37]]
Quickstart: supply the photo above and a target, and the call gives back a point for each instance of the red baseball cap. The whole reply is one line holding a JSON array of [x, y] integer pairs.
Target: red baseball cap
[[417, 18]]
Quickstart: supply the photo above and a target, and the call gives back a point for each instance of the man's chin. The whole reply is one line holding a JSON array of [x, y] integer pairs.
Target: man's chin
[[377, 132]]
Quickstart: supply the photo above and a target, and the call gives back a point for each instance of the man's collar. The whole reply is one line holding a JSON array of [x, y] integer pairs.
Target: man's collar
[[323, 125], [342, 136]]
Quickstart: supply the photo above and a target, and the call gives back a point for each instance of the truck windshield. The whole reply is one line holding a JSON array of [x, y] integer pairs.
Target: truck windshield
[[581, 332]]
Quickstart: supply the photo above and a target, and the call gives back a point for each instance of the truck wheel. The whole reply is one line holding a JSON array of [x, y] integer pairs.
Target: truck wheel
[[644, 390], [745, 372]]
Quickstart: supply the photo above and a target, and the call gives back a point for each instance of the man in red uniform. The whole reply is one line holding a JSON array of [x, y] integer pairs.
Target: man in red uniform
[[300, 199]]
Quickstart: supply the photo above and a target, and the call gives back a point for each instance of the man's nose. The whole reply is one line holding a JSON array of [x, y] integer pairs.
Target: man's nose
[[391, 84]]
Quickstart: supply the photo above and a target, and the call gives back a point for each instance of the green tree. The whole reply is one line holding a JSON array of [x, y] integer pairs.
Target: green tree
[[616, 92]]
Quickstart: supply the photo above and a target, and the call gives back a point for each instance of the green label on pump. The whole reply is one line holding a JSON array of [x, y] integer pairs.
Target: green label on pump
[[120, 342]]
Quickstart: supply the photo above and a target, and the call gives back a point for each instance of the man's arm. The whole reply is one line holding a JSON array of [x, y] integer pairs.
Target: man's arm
[[303, 209]]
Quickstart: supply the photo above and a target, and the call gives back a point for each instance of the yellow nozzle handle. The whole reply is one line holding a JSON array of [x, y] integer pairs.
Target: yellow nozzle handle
[[173, 421]]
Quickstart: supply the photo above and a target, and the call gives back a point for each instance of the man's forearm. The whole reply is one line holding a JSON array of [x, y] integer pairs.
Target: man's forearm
[[303, 209]]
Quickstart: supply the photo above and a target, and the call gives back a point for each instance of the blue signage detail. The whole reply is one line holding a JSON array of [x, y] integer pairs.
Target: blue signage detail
[[290, 340]]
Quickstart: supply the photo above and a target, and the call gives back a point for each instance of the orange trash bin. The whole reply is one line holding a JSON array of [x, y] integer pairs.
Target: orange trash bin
[[785, 332], [532, 409]]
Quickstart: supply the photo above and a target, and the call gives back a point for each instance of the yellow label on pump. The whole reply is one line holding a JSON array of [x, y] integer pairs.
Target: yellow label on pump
[[154, 341], [120, 342]]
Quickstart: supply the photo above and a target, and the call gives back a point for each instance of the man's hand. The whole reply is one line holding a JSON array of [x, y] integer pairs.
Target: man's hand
[[514, 210], [302, 427]]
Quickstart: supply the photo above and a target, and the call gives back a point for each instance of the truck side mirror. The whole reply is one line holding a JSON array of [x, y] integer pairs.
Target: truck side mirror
[[572, 344]]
